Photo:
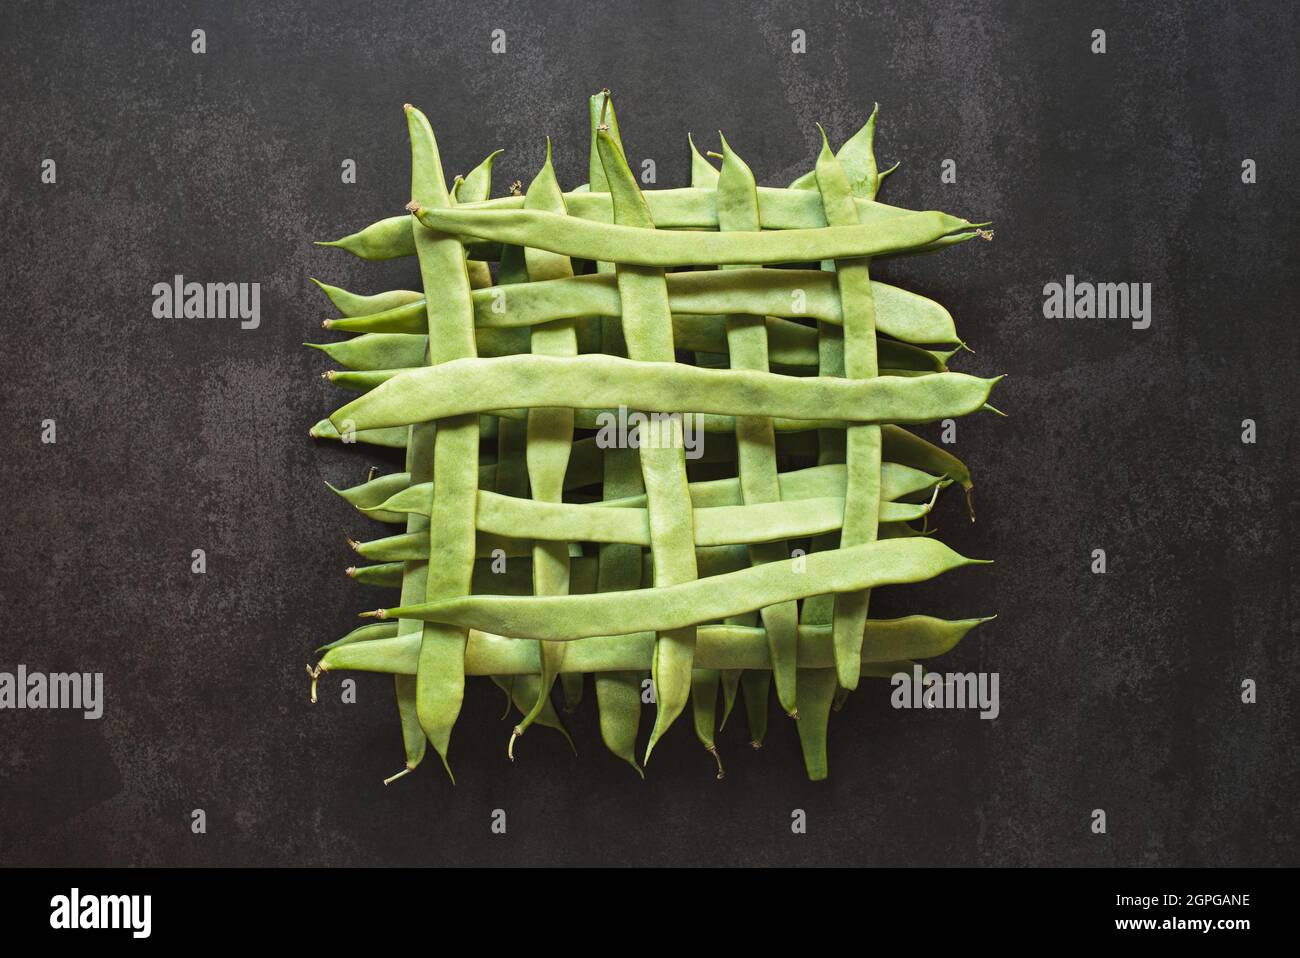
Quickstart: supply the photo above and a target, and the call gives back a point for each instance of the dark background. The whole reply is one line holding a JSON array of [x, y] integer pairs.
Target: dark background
[[1119, 691]]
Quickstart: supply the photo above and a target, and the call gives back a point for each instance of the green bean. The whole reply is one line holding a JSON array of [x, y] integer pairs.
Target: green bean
[[857, 156], [564, 618], [441, 676], [756, 685], [816, 482], [392, 438], [377, 630], [375, 357], [635, 246], [371, 495], [789, 293], [352, 304], [413, 582], [904, 447], [377, 351], [414, 742], [646, 326], [862, 442], [549, 438], [718, 647], [790, 344], [466, 386], [476, 187], [692, 208], [621, 567], [390, 238], [717, 525], [386, 575], [704, 177], [816, 692], [755, 436]]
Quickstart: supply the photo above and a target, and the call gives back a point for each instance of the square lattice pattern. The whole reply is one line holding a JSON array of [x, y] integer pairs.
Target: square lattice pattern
[[649, 434]]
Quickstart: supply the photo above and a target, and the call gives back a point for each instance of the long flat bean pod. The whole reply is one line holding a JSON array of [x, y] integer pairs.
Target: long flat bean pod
[[638, 246], [464, 386], [563, 618], [720, 647]]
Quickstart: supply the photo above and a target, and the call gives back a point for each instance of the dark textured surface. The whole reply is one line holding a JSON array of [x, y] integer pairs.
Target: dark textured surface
[[1118, 692]]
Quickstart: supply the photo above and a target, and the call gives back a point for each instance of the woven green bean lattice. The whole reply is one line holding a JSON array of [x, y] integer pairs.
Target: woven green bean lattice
[[730, 544]]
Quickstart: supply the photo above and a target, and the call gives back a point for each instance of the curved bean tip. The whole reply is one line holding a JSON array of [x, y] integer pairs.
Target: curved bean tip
[[970, 498], [510, 746]]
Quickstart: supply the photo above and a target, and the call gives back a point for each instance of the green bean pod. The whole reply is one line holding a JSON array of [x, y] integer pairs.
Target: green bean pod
[[788, 293], [719, 646], [646, 324], [676, 606], [638, 246], [441, 676]]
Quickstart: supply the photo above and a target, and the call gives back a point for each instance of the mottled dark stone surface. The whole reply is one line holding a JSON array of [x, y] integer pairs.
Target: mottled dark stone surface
[[1119, 691]]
